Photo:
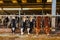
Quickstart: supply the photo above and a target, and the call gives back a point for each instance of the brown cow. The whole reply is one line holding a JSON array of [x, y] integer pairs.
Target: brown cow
[[47, 25], [38, 24]]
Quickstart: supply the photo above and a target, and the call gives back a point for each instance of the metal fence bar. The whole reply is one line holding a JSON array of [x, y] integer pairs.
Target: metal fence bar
[[32, 15]]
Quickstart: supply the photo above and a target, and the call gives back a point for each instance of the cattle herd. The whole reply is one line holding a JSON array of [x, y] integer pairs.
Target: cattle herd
[[28, 24]]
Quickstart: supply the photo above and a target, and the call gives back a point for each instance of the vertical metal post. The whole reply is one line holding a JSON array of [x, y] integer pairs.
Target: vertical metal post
[[53, 14], [19, 16], [2, 17], [19, 12]]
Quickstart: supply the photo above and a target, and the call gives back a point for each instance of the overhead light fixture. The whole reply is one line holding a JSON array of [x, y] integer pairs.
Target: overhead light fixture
[[1, 1], [24, 1], [49, 0], [32, 8], [1, 8], [11, 8], [14, 1], [38, 1]]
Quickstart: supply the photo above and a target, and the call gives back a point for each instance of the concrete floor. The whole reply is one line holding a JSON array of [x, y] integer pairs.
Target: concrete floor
[[5, 35], [10, 36]]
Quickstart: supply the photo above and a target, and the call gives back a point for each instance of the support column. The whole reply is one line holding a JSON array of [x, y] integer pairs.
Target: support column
[[53, 14]]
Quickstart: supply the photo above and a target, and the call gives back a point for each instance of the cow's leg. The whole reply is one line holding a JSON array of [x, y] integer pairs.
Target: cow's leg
[[22, 31], [28, 29]]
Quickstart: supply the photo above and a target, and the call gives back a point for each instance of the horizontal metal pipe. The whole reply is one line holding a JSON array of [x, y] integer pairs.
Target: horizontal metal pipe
[[32, 15]]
